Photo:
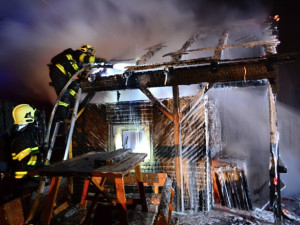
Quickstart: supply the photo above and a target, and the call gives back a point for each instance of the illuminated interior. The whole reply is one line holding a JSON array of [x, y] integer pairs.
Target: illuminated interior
[[133, 136]]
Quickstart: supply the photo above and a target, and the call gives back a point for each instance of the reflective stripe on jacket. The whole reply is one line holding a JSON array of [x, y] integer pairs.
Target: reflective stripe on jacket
[[31, 162]]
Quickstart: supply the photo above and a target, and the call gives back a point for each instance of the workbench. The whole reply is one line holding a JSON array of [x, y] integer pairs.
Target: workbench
[[92, 165]]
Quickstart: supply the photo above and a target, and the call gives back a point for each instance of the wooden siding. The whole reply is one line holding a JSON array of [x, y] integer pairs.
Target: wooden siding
[[91, 130], [129, 112]]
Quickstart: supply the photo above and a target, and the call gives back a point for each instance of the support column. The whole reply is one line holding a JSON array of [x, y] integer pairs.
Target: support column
[[178, 151], [275, 192], [208, 159]]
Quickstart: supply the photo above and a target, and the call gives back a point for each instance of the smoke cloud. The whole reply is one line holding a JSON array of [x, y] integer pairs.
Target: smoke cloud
[[31, 33], [245, 132], [288, 124], [245, 125]]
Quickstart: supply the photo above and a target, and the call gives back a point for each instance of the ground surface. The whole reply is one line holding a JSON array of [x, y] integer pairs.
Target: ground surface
[[217, 216]]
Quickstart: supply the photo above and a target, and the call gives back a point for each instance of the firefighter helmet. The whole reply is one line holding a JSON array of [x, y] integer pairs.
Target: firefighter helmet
[[87, 49], [23, 114]]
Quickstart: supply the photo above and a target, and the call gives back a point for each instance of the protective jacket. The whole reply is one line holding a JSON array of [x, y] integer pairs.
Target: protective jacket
[[63, 66], [24, 151], [70, 61]]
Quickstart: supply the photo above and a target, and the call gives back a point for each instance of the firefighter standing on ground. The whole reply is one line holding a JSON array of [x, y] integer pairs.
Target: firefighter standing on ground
[[63, 66], [25, 149]]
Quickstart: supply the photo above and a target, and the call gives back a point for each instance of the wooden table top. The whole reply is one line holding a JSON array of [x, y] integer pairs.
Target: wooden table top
[[97, 164]]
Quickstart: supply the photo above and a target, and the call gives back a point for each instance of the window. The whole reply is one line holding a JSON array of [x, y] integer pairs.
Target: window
[[135, 137]]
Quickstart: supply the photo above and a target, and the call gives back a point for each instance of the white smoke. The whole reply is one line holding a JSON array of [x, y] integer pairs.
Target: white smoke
[[288, 124], [33, 32], [245, 132]]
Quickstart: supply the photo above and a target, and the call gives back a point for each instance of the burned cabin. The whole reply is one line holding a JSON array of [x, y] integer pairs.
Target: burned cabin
[[161, 105]]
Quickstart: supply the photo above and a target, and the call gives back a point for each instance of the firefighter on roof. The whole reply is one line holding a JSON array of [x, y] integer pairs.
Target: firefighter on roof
[[25, 149], [63, 66]]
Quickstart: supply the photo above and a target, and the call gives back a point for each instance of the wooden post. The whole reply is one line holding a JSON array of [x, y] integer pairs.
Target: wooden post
[[208, 158], [139, 178], [54, 186], [178, 151], [275, 192], [121, 200]]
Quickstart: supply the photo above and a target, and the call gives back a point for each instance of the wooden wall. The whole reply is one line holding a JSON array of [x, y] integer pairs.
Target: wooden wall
[[91, 130], [92, 133]]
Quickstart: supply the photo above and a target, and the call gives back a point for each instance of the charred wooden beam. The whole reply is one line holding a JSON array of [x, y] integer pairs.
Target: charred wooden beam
[[225, 72], [176, 56], [244, 45], [222, 42], [274, 184], [277, 59], [156, 102], [193, 72], [178, 151], [151, 51]]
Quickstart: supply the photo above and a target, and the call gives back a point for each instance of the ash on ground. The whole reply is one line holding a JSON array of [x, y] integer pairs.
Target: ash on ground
[[219, 215], [223, 215]]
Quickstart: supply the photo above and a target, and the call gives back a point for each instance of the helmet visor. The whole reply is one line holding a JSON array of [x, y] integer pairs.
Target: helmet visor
[[29, 117]]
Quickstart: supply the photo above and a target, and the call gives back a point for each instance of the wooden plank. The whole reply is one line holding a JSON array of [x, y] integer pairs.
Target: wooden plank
[[115, 157], [125, 165], [163, 214], [84, 165], [150, 179], [61, 208]]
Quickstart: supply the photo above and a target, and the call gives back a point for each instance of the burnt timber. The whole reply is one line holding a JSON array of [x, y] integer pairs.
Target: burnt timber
[[192, 72]]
